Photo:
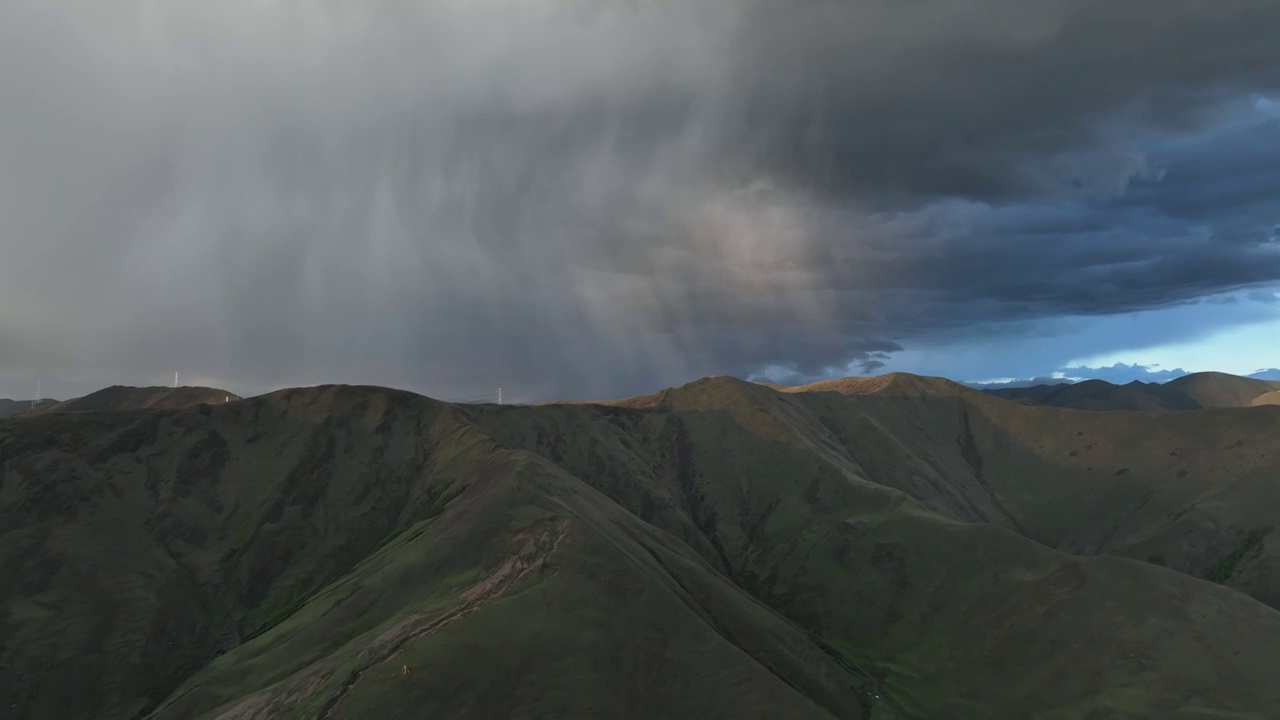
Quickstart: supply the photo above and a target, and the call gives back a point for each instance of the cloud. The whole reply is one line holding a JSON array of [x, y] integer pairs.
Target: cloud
[[583, 199], [869, 366], [1006, 383], [1121, 373]]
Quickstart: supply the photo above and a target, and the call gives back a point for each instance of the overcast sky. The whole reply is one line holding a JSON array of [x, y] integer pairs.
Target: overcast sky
[[590, 198]]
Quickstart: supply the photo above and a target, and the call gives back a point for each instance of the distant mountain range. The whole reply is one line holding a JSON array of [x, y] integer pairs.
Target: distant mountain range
[[1189, 392]]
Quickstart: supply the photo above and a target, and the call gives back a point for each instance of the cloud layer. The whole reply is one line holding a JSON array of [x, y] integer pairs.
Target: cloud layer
[[575, 198]]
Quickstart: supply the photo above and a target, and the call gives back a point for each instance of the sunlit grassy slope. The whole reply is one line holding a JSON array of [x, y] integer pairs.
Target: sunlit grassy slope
[[897, 547], [1271, 398]]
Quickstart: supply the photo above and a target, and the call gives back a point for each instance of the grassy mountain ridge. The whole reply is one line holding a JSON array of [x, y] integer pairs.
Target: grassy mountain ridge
[[1184, 488], [735, 541], [121, 397], [756, 552]]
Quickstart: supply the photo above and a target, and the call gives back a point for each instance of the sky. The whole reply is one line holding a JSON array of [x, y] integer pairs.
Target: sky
[[594, 198]]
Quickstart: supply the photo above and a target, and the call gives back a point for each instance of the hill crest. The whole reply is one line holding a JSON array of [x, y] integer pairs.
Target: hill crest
[[124, 397]]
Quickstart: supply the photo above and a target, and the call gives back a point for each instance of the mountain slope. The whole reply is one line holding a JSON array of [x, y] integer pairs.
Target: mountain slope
[[566, 581], [189, 533], [1183, 489], [732, 521], [722, 549], [1271, 398]]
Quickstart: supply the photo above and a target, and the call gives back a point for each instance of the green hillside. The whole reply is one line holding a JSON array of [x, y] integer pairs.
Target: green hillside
[[895, 547]]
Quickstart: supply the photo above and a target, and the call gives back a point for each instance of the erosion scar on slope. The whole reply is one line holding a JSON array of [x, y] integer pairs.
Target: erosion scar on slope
[[969, 451]]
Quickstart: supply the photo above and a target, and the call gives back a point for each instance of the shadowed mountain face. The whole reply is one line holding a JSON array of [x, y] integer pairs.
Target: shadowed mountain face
[[893, 547], [1190, 392]]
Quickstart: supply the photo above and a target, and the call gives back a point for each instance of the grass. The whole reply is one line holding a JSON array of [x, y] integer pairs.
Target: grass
[[1227, 569], [726, 551]]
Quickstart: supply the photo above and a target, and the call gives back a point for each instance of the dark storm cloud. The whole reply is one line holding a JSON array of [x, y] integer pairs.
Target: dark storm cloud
[[574, 199], [990, 99]]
